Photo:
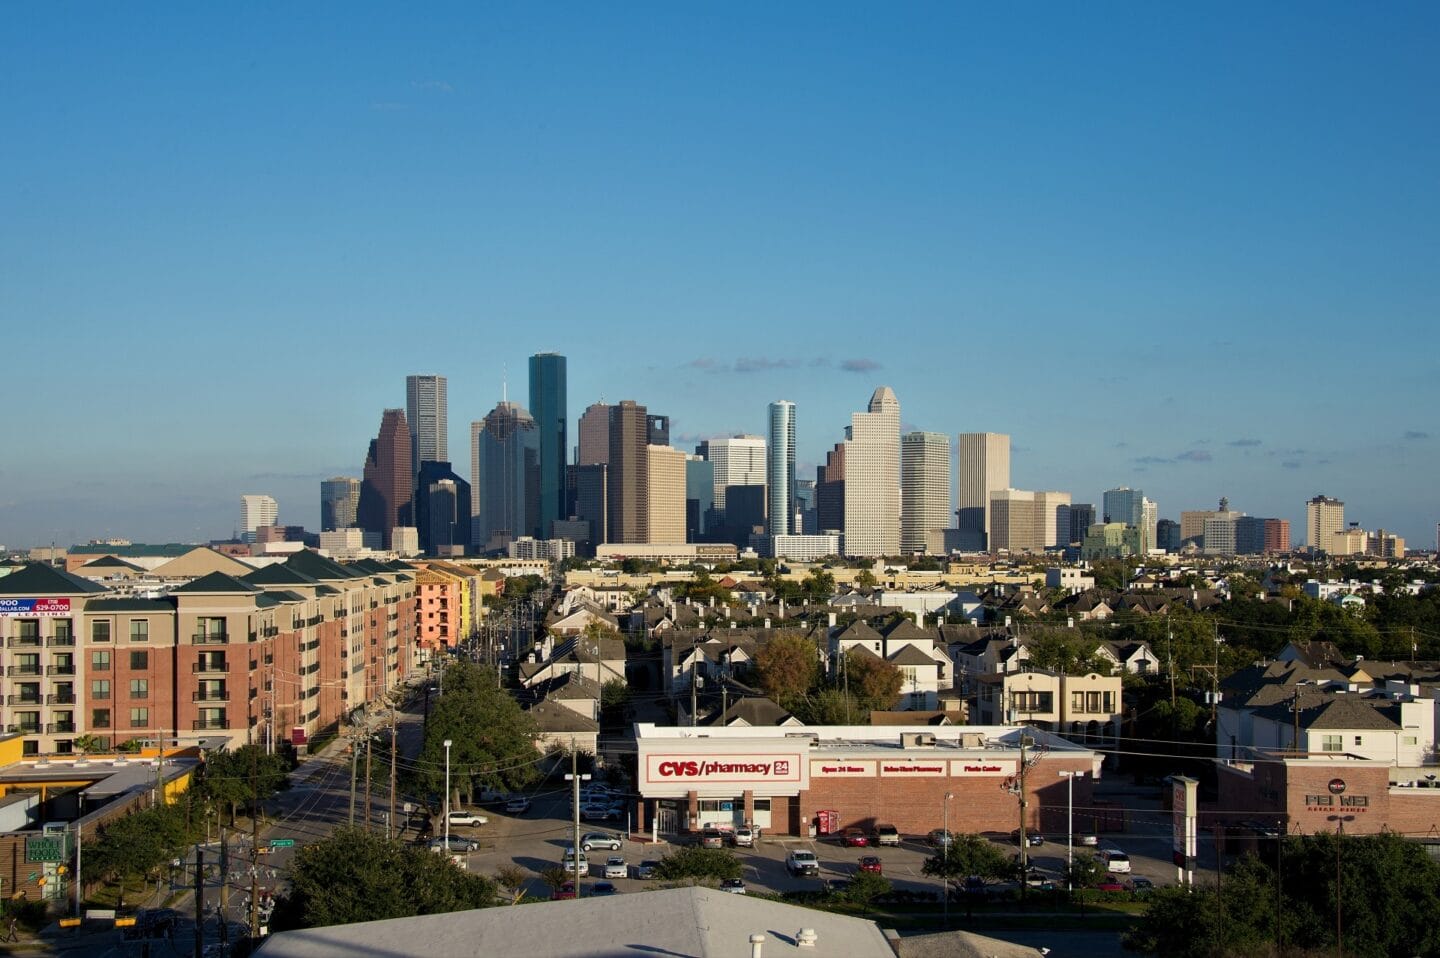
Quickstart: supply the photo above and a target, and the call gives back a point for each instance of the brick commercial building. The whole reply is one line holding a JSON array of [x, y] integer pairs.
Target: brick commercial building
[[782, 779], [277, 653], [1309, 794]]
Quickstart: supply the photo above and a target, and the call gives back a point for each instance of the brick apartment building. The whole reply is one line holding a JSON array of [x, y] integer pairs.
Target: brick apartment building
[[277, 653]]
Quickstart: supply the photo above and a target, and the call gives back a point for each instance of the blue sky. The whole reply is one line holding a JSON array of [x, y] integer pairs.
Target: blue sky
[[1190, 250]]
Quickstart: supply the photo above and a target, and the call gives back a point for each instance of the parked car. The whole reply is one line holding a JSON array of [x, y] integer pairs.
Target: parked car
[[458, 844], [885, 835], [712, 838], [1110, 883], [603, 888], [646, 869], [570, 863], [939, 838], [462, 816], [564, 892], [743, 837], [1087, 839], [733, 885], [872, 863], [615, 867], [1031, 838], [594, 812], [1139, 885], [593, 840], [802, 862], [1041, 880], [517, 806], [854, 838], [1115, 861]]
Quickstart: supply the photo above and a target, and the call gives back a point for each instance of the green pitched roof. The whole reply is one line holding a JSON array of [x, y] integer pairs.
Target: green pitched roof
[[316, 566], [278, 574], [111, 562], [216, 583], [40, 579]]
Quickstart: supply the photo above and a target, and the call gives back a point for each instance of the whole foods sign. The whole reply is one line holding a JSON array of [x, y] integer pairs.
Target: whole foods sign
[[42, 608]]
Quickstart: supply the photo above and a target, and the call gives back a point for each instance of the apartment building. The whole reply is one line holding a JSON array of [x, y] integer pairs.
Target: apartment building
[[277, 653]]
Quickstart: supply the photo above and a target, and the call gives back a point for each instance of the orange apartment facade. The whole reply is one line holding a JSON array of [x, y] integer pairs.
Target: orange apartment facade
[[276, 654]]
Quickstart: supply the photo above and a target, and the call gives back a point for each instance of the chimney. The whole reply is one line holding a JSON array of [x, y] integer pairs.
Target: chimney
[[832, 620], [767, 621], [782, 610]]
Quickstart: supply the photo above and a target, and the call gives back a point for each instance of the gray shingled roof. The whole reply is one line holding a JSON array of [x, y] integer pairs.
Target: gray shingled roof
[[216, 583], [38, 579]]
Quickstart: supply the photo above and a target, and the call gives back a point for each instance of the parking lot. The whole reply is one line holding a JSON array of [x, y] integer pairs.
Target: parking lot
[[535, 841]]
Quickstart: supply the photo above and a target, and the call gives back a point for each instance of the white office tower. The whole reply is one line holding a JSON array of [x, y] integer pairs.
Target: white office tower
[[257, 511], [872, 478], [1149, 523], [924, 487], [1324, 516], [425, 414], [739, 461], [984, 467], [780, 470], [1052, 520]]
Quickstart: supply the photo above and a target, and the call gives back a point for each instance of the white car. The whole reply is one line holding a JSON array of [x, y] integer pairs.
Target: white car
[[517, 806], [570, 863], [743, 837], [595, 813], [1116, 861], [463, 816], [802, 862], [615, 867]]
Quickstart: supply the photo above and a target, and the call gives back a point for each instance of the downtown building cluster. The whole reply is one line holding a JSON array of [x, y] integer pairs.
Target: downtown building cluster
[[623, 489]]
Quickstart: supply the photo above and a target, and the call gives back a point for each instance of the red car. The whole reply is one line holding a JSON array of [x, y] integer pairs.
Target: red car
[[1110, 883], [855, 838], [564, 892], [871, 863]]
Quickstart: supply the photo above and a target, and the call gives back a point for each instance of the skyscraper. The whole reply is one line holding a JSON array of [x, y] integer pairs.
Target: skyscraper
[[984, 466], [387, 480], [872, 478], [780, 469], [338, 498], [505, 457], [924, 487], [628, 474], [1052, 520], [657, 430], [1123, 504], [1082, 517], [425, 411], [830, 491], [548, 406], [594, 429], [1324, 517], [442, 510], [739, 461], [257, 511], [699, 498], [665, 494]]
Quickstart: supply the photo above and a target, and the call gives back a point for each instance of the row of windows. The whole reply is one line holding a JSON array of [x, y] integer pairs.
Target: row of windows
[[140, 718]]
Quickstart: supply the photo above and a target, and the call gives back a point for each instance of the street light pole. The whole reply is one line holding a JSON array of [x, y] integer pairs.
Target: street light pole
[[1069, 776], [1339, 821], [949, 842], [447, 796]]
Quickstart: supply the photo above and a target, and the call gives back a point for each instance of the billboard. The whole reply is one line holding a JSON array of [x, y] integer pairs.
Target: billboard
[[32, 608]]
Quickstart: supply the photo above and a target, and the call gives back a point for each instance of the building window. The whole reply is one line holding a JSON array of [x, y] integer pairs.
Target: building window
[[28, 631], [99, 689], [100, 630], [64, 746], [1077, 701], [27, 722], [1409, 740], [139, 630], [1358, 741], [26, 663], [761, 804], [1109, 699], [30, 747], [1332, 743], [1092, 701], [139, 660], [139, 688], [100, 661], [63, 633], [99, 718], [139, 718]]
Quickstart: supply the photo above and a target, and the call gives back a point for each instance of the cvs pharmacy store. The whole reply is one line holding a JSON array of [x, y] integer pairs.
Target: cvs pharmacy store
[[793, 780]]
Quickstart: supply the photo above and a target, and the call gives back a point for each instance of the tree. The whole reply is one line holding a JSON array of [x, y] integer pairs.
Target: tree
[[866, 580], [355, 875], [492, 738], [512, 879], [232, 778], [875, 682], [1066, 651], [138, 845], [692, 861], [614, 697], [966, 855], [819, 585], [787, 666], [865, 887], [90, 744], [1086, 872], [829, 707]]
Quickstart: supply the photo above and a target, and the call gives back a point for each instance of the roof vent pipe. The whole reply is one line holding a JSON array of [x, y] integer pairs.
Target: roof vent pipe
[[806, 938], [756, 941]]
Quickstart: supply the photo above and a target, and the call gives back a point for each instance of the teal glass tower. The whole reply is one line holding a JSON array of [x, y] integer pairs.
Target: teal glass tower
[[547, 405]]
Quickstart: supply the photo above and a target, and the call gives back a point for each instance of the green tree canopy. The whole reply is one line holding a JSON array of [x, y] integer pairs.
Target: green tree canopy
[[829, 707], [139, 844], [874, 682], [966, 855], [692, 861], [355, 875], [787, 667], [492, 738], [819, 585], [1067, 651]]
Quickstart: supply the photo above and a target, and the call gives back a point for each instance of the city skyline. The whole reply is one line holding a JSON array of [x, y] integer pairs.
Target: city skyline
[[1186, 249]]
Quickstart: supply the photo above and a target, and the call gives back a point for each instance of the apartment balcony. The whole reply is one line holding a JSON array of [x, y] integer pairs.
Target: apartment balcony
[[203, 696], [61, 669], [18, 700], [61, 641], [60, 728], [61, 698], [24, 642], [24, 729], [209, 725], [210, 638], [210, 668], [24, 670]]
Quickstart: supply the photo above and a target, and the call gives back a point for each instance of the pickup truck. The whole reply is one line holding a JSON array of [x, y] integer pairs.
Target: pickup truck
[[802, 862]]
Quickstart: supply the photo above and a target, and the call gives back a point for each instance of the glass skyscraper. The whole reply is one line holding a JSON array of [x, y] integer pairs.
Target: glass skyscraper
[[780, 469], [548, 405]]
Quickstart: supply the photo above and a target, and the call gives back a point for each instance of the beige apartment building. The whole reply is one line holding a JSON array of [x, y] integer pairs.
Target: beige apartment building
[[1090, 706], [275, 654]]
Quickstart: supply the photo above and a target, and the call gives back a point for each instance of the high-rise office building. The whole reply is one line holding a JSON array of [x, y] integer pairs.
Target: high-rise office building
[[1277, 535], [699, 498], [805, 506], [257, 511], [505, 466], [665, 494], [657, 430], [1324, 517], [548, 407], [339, 498], [872, 478], [984, 466], [1012, 521], [830, 491], [594, 430], [1149, 518], [780, 469], [628, 474], [924, 487], [425, 412], [442, 510], [1167, 535], [1082, 517], [1123, 504], [739, 461], [1052, 520], [591, 502], [388, 480]]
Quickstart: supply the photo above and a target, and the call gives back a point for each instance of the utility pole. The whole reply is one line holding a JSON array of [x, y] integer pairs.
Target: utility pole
[[694, 704], [367, 784], [390, 822], [354, 756], [224, 889], [199, 901], [1024, 847], [255, 847], [575, 778]]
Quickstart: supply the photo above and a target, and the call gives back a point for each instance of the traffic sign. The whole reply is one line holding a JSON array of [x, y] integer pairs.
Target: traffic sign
[[282, 843]]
